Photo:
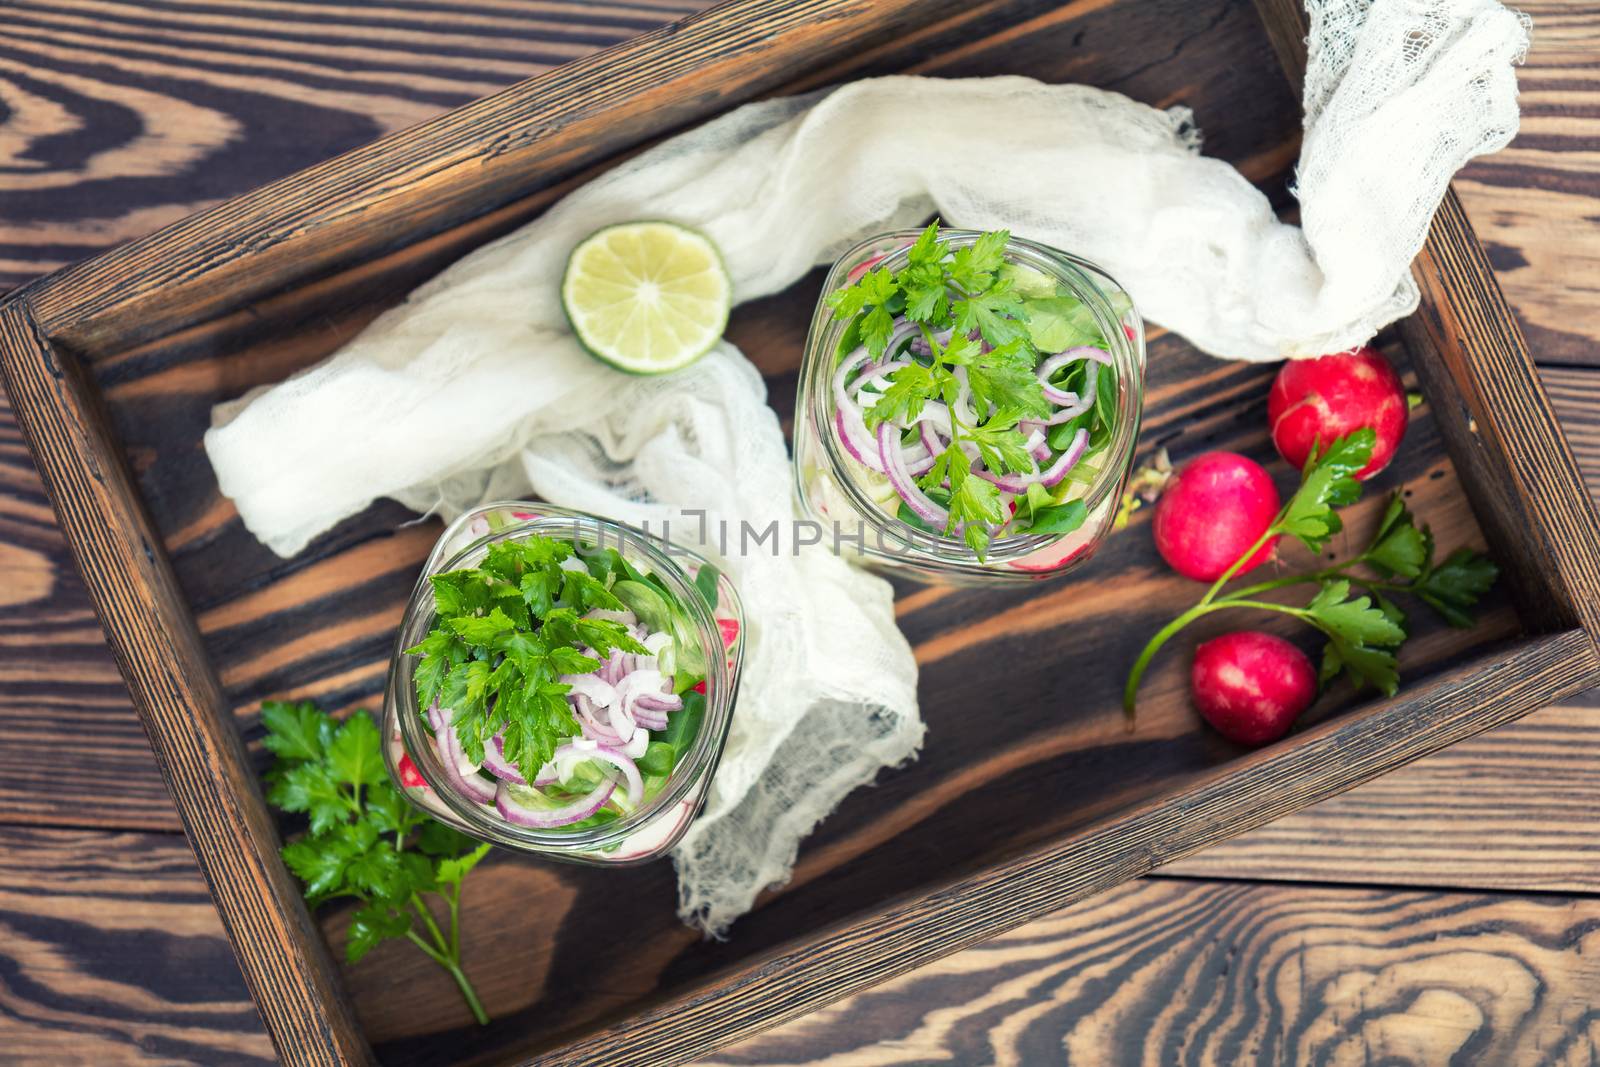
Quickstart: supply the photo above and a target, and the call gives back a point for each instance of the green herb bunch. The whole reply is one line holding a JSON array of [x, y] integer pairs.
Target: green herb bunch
[[366, 842], [504, 632], [1363, 630], [998, 317]]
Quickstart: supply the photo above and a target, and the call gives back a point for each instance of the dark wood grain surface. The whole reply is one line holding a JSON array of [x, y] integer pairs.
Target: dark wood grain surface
[[1381, 846]]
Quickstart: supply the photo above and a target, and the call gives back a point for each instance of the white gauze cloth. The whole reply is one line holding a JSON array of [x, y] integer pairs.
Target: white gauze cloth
[[474, 389]]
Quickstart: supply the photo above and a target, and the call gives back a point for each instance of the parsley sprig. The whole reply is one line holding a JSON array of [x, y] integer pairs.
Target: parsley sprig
[[1352, 607], [983, 324], [504, 632], [365, 841]]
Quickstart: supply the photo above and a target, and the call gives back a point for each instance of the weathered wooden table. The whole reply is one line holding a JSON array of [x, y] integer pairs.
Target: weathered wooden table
[[1447, 910]]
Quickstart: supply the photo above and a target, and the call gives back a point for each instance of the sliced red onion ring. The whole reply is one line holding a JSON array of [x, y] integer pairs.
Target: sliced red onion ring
[[1071, 355], [853, 444], [1011, 483], [614, 668], [1037, 446], [901, 332], [650, 720], [550, 818], [593, 722], [622, 722], [890, 453], [573, 563], [494, 761], [460, 771], [847, 418], [600, 692], [1059, 397], [638, 683], [661, 702], [875, 371], [582, 750], [917, 463], [1072, 411], [1066, 461], [936, 415], [654, 645], [634, 694], [1049, 477]]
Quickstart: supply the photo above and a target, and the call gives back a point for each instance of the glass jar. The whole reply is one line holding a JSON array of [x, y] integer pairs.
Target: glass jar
[[717, 623], [836, 490]]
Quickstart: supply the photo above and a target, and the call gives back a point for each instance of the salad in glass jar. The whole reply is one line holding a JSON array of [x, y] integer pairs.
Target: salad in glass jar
[[974, 399], [563, 684]]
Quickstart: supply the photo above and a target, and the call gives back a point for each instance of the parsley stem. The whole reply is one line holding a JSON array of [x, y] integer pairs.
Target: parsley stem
[[1163, 635], [1206, 604], [432, 953], [427, 918], [1324, 575], [1249, 553], [468, 994], [448, 956], [1166, 633], [453, 898]]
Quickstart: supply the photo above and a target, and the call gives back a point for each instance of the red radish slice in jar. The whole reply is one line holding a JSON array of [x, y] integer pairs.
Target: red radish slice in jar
[[1331, 397], [1048, 558], [872, 261], [865, 265], [729, 628], [410, 777], [1211, 512]]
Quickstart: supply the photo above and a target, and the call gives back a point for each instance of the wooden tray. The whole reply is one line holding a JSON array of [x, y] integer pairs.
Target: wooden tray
[[1029, 794]]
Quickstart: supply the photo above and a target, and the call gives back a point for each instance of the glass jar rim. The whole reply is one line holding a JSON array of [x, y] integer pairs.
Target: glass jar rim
[[721, 675], [1073, 271]]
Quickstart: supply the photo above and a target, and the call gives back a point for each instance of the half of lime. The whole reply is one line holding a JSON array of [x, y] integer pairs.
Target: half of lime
[[647, 297]]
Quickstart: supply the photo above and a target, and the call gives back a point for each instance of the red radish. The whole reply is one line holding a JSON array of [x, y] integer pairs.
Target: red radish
[[730, 632], [865, 265], [1251, 686], [1047, 558], [1329, 397], [410, 777], [1211, 512], [872, 261]]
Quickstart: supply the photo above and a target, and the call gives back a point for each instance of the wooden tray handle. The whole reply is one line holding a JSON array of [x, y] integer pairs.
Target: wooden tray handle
[[189, 723]]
